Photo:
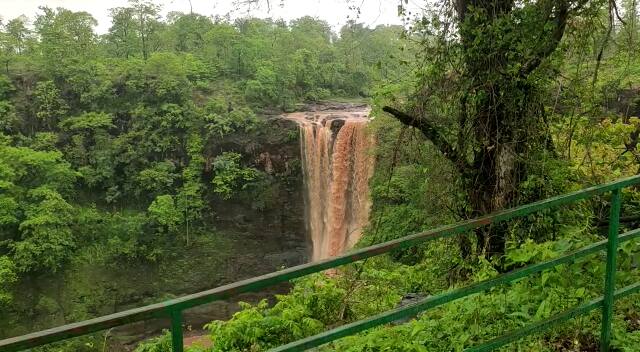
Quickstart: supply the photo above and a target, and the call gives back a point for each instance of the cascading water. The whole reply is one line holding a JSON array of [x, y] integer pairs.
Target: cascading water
[[338, 164]]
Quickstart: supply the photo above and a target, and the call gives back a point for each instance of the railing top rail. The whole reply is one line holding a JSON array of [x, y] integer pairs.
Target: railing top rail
[[164, 309]]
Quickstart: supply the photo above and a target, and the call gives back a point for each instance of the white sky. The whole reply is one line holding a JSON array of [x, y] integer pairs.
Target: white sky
[[336, 12]]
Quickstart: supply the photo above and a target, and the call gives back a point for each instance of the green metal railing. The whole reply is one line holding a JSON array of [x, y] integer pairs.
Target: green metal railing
[[173, 309]]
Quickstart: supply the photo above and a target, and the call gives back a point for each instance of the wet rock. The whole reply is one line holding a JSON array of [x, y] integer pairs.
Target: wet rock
[[408, 299]]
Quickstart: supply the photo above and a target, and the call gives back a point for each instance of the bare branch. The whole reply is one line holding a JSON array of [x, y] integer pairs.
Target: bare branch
[[429, 131], [605, 41], [615, 9], [560, 24]]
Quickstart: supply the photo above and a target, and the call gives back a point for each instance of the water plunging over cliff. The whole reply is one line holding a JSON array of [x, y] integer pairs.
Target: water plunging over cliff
[[337, 163]]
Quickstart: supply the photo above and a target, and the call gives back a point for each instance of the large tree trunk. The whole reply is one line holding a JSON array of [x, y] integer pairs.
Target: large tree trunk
[[493, 180], [501, 120], [491, 188]]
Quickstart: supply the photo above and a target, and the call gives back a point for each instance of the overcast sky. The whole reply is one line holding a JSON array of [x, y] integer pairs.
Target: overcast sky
[[336, 12]]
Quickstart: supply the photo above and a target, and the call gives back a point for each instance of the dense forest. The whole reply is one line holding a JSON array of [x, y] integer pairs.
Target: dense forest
[[124, 146]]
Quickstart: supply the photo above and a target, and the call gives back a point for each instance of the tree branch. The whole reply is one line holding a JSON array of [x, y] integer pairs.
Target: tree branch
[[429, 131], [461, 7], [615, 9], [560, 24], [605, 41]]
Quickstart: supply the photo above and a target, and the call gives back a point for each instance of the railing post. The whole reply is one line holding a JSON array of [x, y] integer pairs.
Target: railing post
[[176, 331], [610, 279]]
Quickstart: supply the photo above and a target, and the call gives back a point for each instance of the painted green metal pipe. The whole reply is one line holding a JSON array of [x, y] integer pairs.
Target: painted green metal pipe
[[548, 323], [82, 328], [610, 278], [537, 327], [177, 342]]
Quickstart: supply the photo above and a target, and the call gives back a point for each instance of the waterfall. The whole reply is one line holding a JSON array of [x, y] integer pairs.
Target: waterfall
[[337, 164]]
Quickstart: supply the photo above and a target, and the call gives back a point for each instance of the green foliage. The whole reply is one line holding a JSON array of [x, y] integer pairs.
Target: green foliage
[[6, 87], [46, 237], [163, 210], [119, 235], [159, 344], [91, 121], [230, 176], [8, 117], [264, 88], [50, 107], [8, 277], [220, 122], [313, 304], [23, 169], [159, 178], [189, 198], [454, 326], [66, 38]]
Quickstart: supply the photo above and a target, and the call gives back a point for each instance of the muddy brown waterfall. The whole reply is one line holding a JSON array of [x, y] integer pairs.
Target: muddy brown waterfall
[[337, 163]]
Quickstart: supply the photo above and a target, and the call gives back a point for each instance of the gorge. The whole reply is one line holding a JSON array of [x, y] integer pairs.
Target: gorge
[[316, 165]]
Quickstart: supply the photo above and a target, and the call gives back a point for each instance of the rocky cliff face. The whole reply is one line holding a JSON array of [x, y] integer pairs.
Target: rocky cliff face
[[273, 210]]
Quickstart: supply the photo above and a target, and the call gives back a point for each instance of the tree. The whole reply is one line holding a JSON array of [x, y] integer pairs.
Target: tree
[[186, 32], [8, 118], [264, 88], [18, 34], [85, 133], [123, 33], [50, 107], [7, 278], [230, 175], [360, 50], [159, 178], [147, 15], [499, 54], [23, 169], [219, 43], [46, 237], [163, 211], [311, 33], [306, 70], [13, 39], [189, 198], [66, 38]]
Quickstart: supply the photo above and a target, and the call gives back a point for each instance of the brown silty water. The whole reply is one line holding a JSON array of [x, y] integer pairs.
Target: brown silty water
[[338, 163]]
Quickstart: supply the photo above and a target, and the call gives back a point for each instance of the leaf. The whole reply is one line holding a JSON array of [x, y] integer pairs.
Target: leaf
[[545, 277]]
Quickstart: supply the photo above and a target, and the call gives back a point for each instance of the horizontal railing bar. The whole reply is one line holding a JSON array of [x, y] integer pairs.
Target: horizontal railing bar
[[565, 199], [538, 327], [254, 284], [547, 323], [627, 290], [628, 236], [82, 328], [434, 301]]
